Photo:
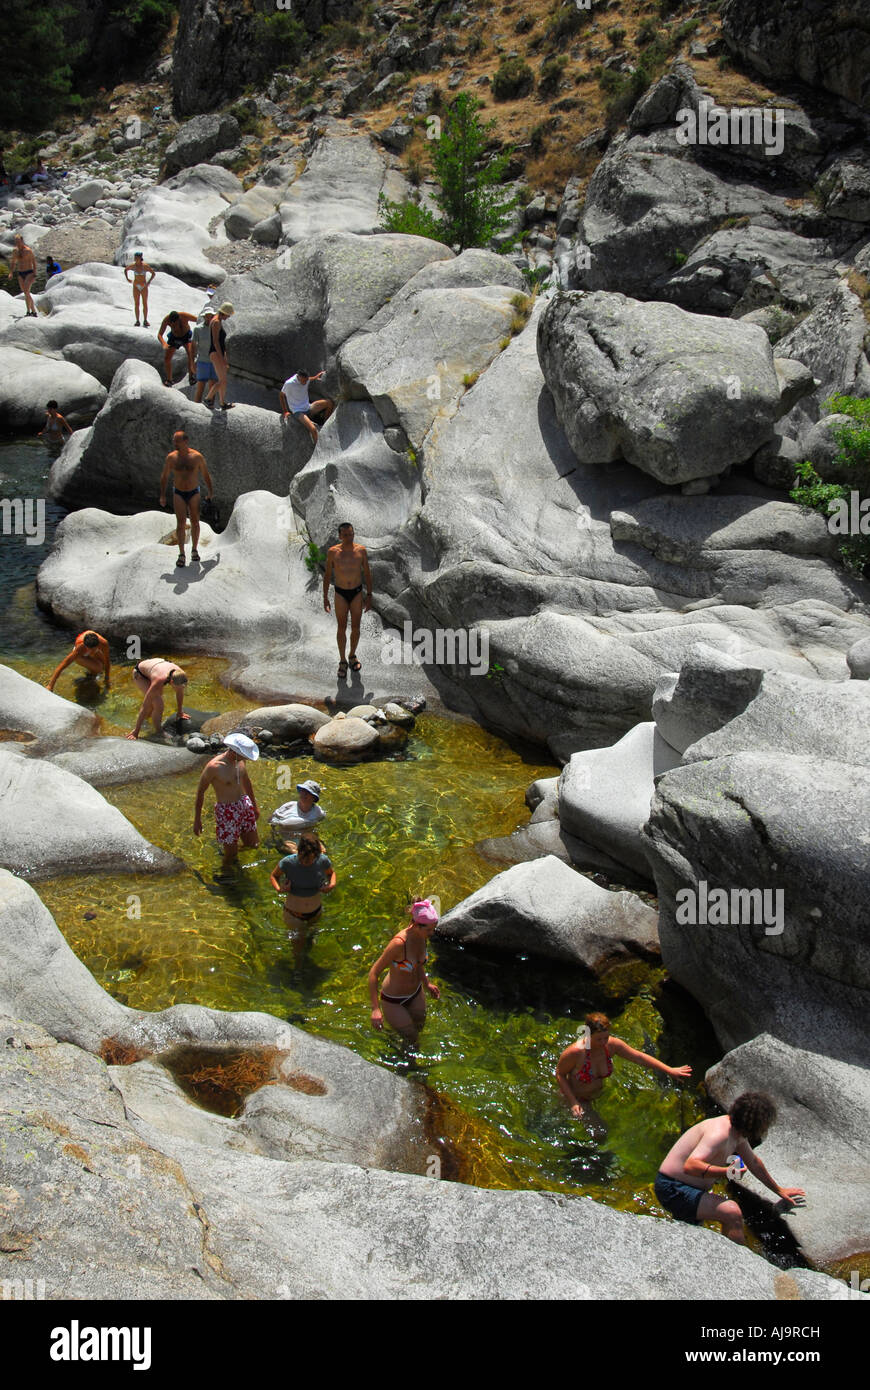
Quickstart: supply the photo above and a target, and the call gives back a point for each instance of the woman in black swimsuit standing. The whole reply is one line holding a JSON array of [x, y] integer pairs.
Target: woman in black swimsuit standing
[[218, 355]]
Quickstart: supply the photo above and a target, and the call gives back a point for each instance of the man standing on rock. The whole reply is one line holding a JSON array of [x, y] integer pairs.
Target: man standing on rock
[[187, 467], [705, 1153], [236, 811], [347, 565], [24, 266], [180, 334]]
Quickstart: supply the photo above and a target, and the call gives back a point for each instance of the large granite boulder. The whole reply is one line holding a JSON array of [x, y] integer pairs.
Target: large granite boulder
[[28, 379], [337, 192], [110, 762], [605, 793], [817, 1142], [417, 356], [679, 395], [199, 139], [120, 459], [296, 312], [784, 951], [32, 715], [823, 46], [355, 475], [256, 1227], [172, 223], [52, 823], [547, 909], [831, 343]]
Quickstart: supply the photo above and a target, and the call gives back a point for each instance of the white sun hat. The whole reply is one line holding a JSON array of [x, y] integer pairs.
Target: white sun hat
[[240, 743]]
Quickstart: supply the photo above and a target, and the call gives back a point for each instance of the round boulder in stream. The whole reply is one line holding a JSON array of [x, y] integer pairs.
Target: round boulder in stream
[[548, 909]]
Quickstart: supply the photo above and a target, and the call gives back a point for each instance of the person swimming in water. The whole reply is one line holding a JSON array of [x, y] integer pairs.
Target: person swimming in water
[[403, 999], [143, 274], [583, 1067], [55, 424]]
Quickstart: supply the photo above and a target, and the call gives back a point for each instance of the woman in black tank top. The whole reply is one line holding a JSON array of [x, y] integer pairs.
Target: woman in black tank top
[[218, 354]]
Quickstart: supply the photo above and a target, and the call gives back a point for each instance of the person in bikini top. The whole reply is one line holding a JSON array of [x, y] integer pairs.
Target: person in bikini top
[[403, 1000], [584, 1066]]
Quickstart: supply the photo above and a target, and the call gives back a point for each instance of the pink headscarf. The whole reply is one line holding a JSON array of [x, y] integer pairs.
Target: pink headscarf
[[423, 913]]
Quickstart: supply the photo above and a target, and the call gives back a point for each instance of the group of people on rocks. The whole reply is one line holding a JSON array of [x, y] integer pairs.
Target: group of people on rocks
[[709, 1151]]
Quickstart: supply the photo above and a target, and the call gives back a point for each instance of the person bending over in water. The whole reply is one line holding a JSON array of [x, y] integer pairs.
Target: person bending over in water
[[55, 424], [91, 651], [302, 876], [404, 998], [143, 274], [698, 1160], [187, 467], [347, 566], [152, 677], [581, 1071], [236, 811]]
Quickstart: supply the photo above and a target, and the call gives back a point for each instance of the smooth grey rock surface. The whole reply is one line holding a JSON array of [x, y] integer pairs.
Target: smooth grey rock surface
[[44, 719], [109, 762], [546, 908]]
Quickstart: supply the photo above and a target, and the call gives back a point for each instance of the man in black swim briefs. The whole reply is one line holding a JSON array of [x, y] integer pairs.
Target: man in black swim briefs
[[24, 266], [187, 467], [180, 334], [347, 566]]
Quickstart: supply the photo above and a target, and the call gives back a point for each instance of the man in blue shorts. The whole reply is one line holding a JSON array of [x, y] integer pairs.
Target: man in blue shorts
[[204, 368], [294, 401], [698, 1160]]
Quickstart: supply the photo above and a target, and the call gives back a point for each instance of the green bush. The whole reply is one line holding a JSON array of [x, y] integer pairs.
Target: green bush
[[282, 34], [567, 21], [342, 34], [669, 7], [616, 35], [537, 140], [647, 31], [513, 78], [410, 218], [550, 75], [850, 472]]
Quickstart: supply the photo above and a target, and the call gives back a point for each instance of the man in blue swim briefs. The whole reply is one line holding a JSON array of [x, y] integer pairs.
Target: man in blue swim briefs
[[189, 470], [347, 566], [698, 1160]]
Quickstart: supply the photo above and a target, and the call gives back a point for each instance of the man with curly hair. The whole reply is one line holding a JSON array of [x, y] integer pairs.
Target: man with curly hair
[[698, 1160]]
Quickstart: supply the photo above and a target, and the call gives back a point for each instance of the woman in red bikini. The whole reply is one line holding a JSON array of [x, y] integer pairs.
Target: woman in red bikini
[[404, 998], [583, 1067]]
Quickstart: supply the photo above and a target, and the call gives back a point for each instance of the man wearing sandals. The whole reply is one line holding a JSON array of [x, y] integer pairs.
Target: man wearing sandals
[[187, 467], [347, 567]]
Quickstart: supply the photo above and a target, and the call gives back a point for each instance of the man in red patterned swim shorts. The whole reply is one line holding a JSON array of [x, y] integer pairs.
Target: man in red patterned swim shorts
[[236, 811]]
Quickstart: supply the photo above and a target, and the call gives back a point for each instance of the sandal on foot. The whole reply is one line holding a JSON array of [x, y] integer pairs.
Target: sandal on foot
[[145, 323], [180, 562], [136, 324], [191, 378], [355, 664], [231, 406], [342, 669], [194, 554]]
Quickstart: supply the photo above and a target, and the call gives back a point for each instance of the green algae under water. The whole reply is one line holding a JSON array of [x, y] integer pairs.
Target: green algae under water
[[407, 824]]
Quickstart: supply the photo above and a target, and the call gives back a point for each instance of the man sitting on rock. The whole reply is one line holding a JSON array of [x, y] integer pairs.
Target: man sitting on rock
[[294, 401], [698, 1160], [91, 651], [180, 334], [187, 467]]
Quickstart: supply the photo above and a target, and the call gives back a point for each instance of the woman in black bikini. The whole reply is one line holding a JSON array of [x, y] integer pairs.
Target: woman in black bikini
[[301, 877], [404, 998], [24, 266], [218, 355], [583, 1067]]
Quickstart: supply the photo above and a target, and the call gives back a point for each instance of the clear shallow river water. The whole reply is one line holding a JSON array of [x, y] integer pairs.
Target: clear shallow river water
[[407, 825]]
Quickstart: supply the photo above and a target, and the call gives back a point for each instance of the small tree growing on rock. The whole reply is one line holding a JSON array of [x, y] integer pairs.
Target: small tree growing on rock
[[474, 207]]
